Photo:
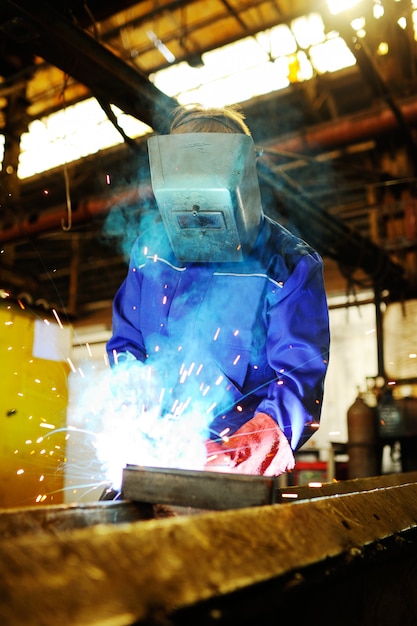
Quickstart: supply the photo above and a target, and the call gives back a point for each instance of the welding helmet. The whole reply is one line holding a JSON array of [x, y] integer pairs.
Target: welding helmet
[[207, 191]]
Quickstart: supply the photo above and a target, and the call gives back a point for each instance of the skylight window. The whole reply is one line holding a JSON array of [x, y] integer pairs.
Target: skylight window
[[332, 55], [308, 30], [70, 134], [241, 54], [253, 66], [278, 41], [337, 6]]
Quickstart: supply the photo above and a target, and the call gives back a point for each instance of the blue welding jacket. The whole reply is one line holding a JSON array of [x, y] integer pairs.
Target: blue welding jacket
[[255, 334]]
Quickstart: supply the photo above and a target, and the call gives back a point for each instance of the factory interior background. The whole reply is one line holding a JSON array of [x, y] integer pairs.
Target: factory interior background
[[329, 90]]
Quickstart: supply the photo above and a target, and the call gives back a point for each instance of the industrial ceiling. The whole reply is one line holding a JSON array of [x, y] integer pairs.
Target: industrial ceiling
[[338, 162]]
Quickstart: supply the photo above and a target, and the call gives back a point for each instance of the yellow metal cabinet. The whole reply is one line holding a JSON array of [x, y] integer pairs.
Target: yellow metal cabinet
[[33, 403]]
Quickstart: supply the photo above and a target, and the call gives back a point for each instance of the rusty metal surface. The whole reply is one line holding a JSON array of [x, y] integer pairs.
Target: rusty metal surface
[[55, 519], [303, 492], [144, 572], [206, 490]]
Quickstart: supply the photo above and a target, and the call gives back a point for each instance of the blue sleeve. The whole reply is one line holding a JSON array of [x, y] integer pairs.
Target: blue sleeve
[[126, 335], [297, 350]]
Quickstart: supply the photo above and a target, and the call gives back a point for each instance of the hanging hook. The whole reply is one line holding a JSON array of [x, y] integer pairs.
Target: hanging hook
[[68, 225]]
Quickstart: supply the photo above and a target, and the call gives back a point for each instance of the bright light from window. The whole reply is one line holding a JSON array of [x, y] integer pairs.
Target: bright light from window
[[306, 69], [308, 30], [70, 134], [278, 41], [358, 23], [225, 60], [178, 76], [378, 10], [337, 6], [331, 56]]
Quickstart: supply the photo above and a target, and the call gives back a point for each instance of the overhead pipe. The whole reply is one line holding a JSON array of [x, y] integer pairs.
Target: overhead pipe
[[355, 128], [83, 211], [339, 238], [330, 236], [346, 131]]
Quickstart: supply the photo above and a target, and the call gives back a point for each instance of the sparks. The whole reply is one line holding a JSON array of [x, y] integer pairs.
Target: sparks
[[57, 318], [71, 364]]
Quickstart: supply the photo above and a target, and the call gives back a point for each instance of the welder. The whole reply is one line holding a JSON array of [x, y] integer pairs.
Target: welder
[[218, 288]]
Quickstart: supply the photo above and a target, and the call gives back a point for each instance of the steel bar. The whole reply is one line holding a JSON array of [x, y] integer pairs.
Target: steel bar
[[206, 490], [355, 485], [144, 572]]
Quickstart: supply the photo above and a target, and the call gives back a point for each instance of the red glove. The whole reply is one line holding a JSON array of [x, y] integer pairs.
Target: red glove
[[257, 447]]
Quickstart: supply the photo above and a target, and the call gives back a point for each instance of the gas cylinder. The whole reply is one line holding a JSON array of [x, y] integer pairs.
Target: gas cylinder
[[363, 449]]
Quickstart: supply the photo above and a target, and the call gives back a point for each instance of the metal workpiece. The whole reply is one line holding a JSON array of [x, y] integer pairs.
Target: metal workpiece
[[197, 489], [218, 567]]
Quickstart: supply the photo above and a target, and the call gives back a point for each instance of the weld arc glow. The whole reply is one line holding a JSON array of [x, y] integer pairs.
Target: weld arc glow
[[141, 417], [137, 414]]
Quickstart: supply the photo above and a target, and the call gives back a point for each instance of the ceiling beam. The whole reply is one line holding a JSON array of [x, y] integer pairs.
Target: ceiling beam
[[48, 33]]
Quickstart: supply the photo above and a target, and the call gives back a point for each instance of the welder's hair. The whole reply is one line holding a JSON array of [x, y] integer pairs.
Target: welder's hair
[[197, 119]]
